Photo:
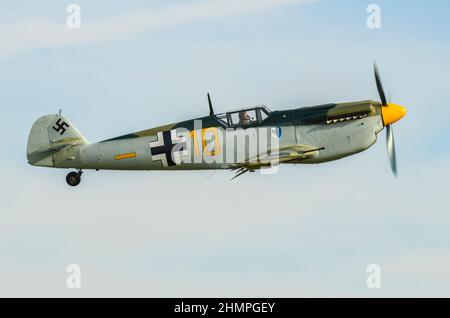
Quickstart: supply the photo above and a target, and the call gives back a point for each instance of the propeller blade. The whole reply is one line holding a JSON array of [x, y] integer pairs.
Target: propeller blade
[[391, 149], [379, 85]]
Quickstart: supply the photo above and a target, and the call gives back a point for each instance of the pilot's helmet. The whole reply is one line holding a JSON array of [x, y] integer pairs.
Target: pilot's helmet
[[243, 116]]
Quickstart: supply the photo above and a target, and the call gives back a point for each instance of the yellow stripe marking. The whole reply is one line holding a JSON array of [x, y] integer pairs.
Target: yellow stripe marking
[[125, 156]]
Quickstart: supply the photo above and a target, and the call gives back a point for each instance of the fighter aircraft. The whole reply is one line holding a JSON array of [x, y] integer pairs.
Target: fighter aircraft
[[242, 140]]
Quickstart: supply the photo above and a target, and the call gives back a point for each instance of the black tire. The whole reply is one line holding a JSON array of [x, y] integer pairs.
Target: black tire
[[73, 179]]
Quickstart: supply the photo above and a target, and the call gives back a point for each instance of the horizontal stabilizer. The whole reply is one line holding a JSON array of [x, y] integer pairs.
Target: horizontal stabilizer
[[61, 145]]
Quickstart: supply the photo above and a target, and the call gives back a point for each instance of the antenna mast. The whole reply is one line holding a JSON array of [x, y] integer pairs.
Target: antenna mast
[[211, 110]]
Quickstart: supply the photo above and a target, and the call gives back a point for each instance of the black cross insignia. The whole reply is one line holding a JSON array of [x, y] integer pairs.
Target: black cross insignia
[[166, 149], [60, 127]]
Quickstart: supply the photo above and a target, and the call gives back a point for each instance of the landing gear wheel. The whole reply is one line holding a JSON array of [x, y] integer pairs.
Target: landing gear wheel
[[73, 178]]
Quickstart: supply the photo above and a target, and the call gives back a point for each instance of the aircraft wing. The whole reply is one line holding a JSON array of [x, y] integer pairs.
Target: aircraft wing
[[286, 154]]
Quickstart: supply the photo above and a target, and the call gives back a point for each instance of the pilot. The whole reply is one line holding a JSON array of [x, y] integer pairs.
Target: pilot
[[244, 118]]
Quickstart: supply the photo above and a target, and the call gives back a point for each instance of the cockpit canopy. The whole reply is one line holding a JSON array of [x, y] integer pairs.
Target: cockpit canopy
[[245, 117]]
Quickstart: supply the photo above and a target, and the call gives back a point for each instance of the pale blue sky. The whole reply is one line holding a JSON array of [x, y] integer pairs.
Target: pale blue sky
[[306, 231]]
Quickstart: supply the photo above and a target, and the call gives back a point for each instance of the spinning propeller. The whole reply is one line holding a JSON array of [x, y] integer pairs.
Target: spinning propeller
[[390, 113]]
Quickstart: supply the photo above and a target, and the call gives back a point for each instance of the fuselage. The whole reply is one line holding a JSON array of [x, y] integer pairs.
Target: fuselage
[[219, 142]]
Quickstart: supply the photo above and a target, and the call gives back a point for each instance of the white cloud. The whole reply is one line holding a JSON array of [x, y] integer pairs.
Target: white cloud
[[38, 32]]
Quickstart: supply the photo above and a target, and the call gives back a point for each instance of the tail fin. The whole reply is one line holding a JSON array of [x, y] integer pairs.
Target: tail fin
[[49, 135]]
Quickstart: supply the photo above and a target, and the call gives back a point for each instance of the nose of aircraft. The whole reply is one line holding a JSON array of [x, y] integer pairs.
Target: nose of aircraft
[[392, 113]]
